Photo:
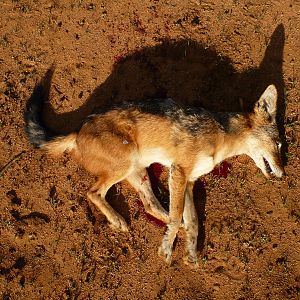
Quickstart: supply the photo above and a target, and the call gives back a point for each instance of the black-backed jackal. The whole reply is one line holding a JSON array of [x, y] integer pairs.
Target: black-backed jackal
[[120, 143]]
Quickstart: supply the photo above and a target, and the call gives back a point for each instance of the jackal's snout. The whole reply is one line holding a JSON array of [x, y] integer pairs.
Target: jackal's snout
[[273, 166]]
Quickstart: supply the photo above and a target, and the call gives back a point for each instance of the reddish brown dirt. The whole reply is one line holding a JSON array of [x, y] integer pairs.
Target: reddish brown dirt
[[217, 54]]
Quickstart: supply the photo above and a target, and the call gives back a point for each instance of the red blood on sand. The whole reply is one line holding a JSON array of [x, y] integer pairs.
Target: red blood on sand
[[222, 170], [155, 221], [199, 187], [150, 218], [118, 59], [157, 170]]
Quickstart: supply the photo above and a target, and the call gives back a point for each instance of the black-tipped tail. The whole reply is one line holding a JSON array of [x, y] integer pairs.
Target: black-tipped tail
[[37, 133]]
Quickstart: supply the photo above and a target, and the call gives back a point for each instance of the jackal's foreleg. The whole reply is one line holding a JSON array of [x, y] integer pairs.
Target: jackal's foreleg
[[177, 186], [190, 219], [141, 183]]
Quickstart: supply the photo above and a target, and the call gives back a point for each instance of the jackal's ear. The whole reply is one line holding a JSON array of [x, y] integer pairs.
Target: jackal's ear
[[266, 106]]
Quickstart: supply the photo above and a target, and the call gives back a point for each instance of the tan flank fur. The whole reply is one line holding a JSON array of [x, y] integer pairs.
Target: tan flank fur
[[120, 143]]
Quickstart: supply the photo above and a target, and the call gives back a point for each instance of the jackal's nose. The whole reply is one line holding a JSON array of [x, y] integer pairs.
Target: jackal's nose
[[278, 172]]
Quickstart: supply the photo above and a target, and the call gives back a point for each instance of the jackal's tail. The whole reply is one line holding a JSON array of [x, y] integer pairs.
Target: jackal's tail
[[38, 134]]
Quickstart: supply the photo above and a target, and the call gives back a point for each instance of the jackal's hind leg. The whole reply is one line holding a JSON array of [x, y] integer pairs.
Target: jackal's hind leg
[[141, 183], [97, 196], [190, 219]]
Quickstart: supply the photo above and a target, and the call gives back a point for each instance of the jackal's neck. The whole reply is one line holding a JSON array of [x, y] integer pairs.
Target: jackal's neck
[[233, 122], [233, 139]]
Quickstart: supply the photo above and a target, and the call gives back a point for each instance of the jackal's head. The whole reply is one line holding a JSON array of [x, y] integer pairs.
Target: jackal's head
[[263, 142]]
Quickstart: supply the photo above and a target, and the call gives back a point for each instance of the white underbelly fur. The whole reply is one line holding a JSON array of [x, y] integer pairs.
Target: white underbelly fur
[[203, 165], [155, 155]]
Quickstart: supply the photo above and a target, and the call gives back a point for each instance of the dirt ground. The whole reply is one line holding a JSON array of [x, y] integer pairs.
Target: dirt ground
[[217, 54]]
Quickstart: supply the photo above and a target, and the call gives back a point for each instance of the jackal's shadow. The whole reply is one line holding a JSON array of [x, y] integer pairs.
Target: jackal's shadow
[[188, 72]]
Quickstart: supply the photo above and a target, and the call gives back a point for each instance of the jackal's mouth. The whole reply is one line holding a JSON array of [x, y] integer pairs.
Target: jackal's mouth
[[268, 167]]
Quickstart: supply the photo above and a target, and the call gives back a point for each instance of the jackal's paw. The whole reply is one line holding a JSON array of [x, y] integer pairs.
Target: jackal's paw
[[191, 260], [165, 252], [119, 225]]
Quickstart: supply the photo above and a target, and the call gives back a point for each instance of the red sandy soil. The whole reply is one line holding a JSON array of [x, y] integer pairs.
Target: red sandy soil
[[217, 54]]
